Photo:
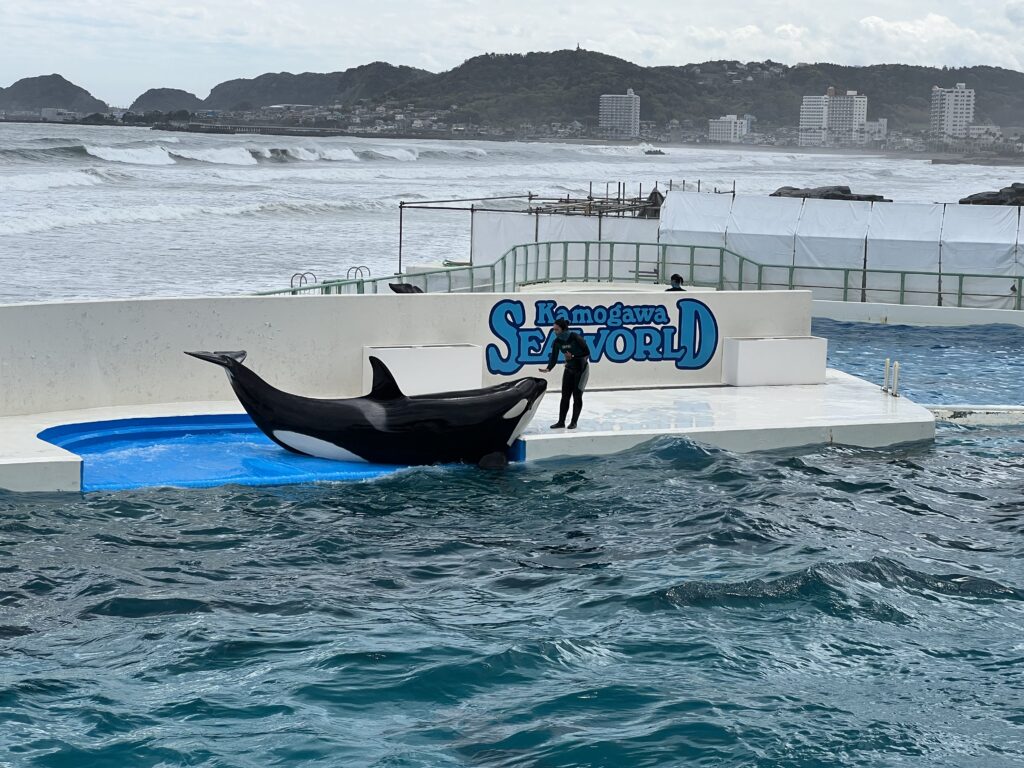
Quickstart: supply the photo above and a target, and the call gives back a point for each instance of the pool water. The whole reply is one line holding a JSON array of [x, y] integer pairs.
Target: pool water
[[668, 606], [193, 452], [938, 366]]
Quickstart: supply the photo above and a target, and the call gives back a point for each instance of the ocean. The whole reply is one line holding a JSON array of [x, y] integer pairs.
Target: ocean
[[669, 606], [97, 212]]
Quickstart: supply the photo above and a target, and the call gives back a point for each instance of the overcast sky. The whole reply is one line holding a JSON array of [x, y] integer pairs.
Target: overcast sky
[[118, 48]]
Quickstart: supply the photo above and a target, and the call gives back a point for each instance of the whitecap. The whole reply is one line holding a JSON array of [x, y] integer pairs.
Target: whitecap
[[156, 155], [32, 182], [217, 155]]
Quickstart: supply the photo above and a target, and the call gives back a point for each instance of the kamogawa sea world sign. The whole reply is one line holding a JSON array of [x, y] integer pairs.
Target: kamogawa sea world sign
[[618, 333]]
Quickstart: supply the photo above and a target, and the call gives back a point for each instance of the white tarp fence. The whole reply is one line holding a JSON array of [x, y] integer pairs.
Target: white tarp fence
[[979, 240], [559, 227], [762, 229], [832, 233], [695, 219], [494, 232], [625, 258], [913, 237], [904, 236]]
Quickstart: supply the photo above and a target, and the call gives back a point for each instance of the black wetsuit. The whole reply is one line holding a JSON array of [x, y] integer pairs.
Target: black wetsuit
[[574, 378]]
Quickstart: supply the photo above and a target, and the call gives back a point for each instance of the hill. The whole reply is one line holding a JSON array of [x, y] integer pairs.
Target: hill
[[166, 100], [566, 85], [35, 93], [541, 87], [370, 81]]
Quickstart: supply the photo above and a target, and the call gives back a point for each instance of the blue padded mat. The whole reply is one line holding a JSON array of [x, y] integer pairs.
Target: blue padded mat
[[193, 452]]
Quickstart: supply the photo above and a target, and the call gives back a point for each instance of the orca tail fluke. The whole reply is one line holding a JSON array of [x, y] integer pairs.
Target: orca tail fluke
[[223, 359]]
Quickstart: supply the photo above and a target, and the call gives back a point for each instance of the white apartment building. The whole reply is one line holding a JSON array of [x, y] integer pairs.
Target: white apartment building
[[847, 115], [728, 129], [619, 114], [952, 111], [814, 121], [833, 119]]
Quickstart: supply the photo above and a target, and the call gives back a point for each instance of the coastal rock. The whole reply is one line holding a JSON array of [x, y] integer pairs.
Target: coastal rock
[[31, 94], [839, 192], [166, 100], [1011, 195]]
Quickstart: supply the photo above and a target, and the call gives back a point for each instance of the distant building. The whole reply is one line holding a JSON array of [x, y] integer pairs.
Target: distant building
[[952, 111], [619, 114], [876, 131], [728, 129], [55, 115], [833, 119], [813, 121], [847, 115], [985, 134]]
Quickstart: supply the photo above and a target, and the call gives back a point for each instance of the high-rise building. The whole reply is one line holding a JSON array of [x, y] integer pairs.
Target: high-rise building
[[619, 114], [952, 111], [846, 117], [814, 121], [728, 129], [833, 119]]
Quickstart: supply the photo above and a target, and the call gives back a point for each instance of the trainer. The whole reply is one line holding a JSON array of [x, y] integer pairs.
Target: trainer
[[577, 371]]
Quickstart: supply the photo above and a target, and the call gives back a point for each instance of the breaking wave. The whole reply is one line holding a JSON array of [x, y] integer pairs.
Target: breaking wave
[[156, 154], [158, 213], [34, 182]]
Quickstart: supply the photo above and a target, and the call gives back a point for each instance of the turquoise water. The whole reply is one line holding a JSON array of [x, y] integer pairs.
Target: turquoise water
[[669, 606]]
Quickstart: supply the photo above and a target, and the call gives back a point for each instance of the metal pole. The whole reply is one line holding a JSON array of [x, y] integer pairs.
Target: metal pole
[[401, 217]]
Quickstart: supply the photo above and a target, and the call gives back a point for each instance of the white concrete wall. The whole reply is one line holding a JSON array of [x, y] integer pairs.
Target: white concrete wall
[[92, 354], [909, 314]]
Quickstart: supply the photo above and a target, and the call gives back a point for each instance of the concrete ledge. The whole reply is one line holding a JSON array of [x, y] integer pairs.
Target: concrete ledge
[[912, 314], [844, 410], [29, 464], [980, 415]]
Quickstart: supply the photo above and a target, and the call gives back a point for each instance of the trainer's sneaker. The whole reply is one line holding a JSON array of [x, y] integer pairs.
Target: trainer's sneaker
[[559, 425]]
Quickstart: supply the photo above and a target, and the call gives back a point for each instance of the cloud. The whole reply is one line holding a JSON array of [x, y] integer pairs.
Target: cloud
[[933, 40], [1015, 12], [118, 48]]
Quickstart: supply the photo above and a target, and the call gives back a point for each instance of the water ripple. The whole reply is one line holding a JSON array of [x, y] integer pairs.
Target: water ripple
[[670, 606]]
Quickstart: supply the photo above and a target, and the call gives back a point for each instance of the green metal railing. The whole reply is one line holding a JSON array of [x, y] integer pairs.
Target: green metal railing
[[592, 261]]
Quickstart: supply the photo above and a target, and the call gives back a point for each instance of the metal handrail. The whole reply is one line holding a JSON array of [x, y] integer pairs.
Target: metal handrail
[[629, 261]]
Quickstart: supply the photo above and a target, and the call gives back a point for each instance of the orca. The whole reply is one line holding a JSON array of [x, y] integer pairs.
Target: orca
[[386, 426]]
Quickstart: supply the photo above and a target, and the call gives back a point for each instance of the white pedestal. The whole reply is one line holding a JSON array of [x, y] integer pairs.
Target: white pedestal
[[762, 362], [423, 369]]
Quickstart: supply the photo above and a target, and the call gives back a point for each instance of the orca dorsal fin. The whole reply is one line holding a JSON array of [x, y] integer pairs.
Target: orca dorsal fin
[[384, 385]]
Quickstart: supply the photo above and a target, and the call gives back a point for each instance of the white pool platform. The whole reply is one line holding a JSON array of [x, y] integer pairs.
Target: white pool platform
[[844, 410]]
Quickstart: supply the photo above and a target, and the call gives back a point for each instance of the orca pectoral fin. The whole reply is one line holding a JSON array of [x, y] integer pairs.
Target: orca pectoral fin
[[496, 460], [384, 385]]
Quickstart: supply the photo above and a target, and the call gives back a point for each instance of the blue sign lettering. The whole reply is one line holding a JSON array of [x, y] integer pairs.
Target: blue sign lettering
[[619, 332]]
